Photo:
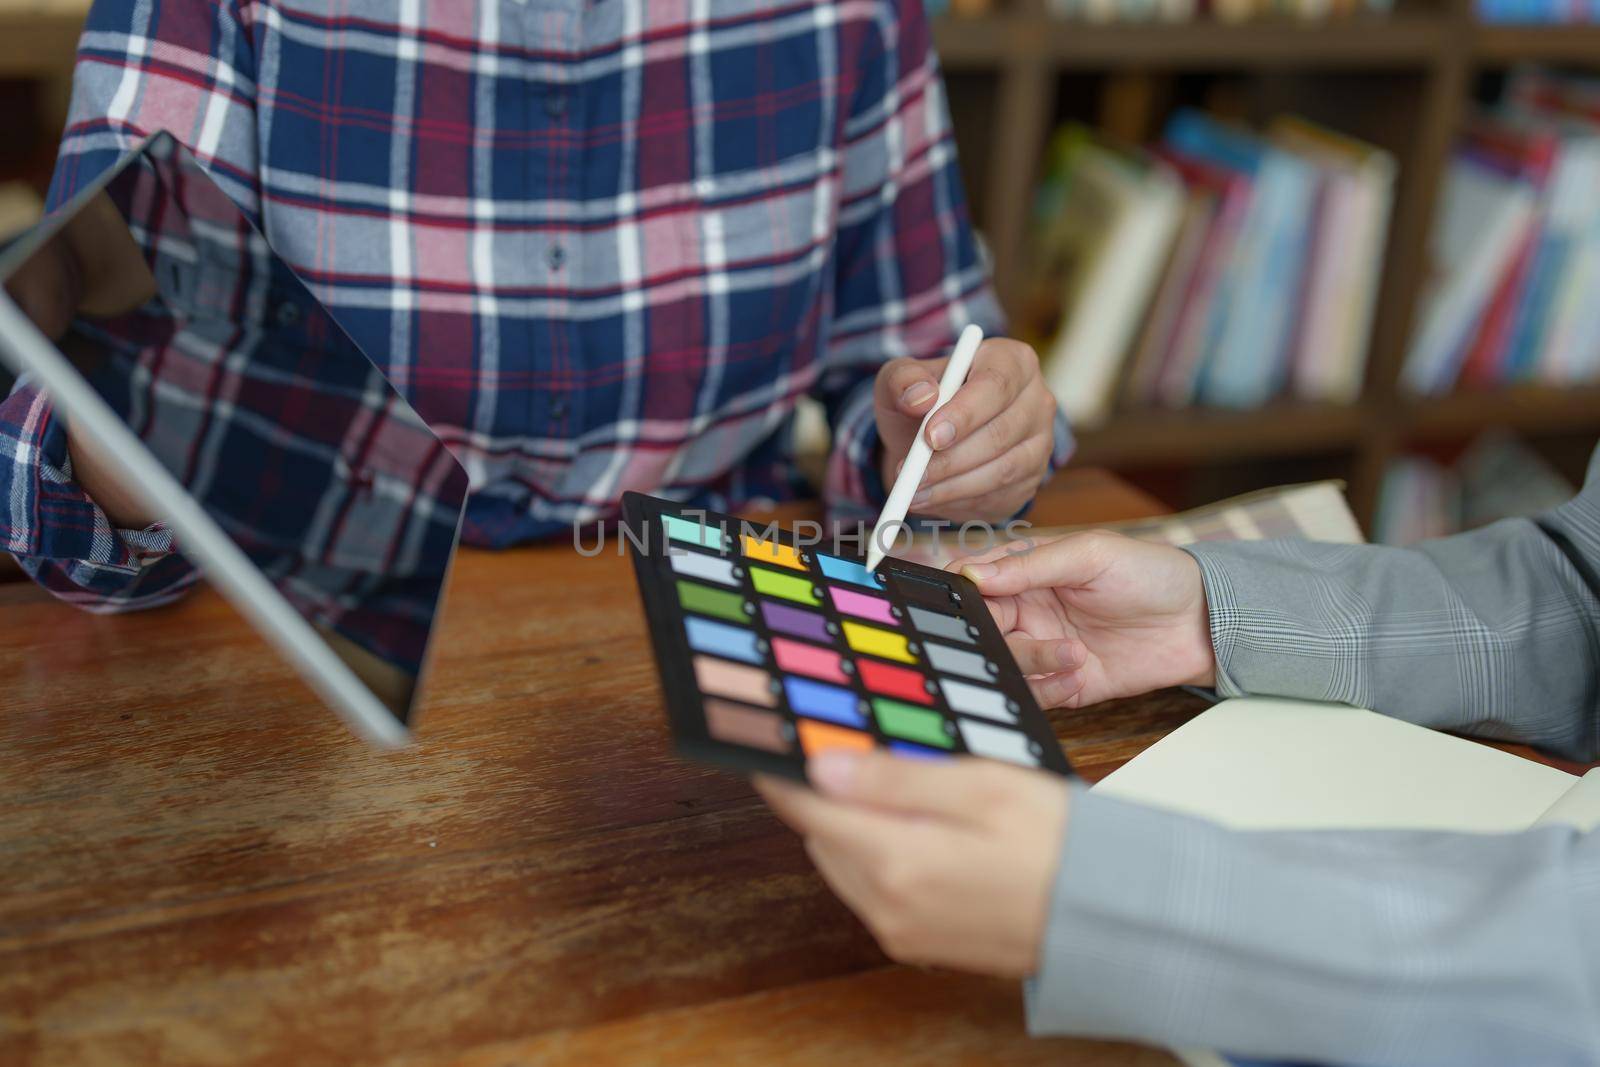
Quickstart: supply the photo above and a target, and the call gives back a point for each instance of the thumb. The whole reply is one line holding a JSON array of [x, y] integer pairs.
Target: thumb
[[959, 790], [1072, 561]]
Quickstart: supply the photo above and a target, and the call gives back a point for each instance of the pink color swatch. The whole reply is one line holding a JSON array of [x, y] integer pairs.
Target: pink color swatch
[[862, 606], [800, 658]]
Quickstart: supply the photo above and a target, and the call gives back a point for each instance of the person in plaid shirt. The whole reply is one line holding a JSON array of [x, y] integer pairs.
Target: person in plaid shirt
[[597, 246]]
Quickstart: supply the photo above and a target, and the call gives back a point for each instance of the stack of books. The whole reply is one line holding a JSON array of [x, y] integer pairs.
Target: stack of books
[[1516, 249], [1420, 500], [1221, 267], [1497, 477], [1538, 12]]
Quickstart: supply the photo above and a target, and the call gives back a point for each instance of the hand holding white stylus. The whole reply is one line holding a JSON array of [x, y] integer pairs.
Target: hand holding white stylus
[[893, 516]]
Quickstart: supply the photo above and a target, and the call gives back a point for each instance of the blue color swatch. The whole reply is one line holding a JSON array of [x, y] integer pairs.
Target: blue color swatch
[[720, 639], [844, 570], [826, 702]]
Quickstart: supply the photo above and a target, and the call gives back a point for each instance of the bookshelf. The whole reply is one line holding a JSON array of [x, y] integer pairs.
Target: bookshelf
[[1404, 82]]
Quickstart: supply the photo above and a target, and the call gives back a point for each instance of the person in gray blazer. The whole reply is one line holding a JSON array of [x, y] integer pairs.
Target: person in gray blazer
[[1361, 947]]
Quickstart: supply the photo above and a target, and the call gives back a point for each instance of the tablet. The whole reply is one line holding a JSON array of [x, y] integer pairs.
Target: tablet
[[771, 651], [205, 379]]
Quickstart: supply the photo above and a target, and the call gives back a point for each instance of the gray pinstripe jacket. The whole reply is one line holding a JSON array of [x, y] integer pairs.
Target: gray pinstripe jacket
[[1386, 948]]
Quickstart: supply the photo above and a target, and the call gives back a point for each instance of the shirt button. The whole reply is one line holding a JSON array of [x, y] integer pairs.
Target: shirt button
[[555, 103], [287, 314], [558, 409], [557, 257]]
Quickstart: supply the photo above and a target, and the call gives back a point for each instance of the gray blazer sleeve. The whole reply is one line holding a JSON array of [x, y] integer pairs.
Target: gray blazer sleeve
[[1360, 947], [1494, 632]]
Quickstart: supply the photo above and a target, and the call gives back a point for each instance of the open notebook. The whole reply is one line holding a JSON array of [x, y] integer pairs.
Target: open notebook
[[1262, 764]]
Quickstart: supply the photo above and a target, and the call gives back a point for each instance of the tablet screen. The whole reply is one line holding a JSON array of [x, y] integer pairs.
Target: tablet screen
[[218, 358]]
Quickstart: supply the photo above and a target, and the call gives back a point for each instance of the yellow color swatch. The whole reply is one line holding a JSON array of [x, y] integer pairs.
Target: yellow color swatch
[[875, 642], [772, 552]]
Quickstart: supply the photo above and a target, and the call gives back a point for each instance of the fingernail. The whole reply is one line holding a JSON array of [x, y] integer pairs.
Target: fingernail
[[940, 434], [1066, 656], [978, 572], [833, 771], [917, 394], [921, 499]]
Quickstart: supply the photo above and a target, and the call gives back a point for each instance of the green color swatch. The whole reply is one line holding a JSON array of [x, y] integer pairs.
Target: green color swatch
[[708, 601], [788, 586], [911, 723]]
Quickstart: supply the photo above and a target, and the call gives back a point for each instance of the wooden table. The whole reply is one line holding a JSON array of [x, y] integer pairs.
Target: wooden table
[[198, 864]]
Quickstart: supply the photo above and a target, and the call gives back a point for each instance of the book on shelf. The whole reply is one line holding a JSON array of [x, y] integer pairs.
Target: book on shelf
[[1178, 355], [1249, 335], [1419, 499], [1109, 239], [1221, 267], [1173, 303], [1351, 228], [1497, 477], [1476, 251], [1516, 249]]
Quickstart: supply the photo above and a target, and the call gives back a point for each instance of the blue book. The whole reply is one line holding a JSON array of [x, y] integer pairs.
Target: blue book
[[1527, 331], [1257, 303], [1568, 214]]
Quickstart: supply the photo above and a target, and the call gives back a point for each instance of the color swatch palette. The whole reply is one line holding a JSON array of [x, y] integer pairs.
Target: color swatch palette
[[772, 652]]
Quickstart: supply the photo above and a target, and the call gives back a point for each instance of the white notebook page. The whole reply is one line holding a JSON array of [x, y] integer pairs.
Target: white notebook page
[[1282, 764], [1579, 806]]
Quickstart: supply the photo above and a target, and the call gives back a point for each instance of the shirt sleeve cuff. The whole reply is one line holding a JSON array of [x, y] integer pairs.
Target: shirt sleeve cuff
[[1226, 617], [853, 489], [1063, 444], [1284, 623], [63, 523]]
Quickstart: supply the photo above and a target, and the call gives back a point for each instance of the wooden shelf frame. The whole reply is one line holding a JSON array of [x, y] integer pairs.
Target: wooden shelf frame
[[1440, 51]]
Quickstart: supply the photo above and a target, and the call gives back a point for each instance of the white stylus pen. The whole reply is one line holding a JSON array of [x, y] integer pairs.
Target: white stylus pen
[[893, 516]]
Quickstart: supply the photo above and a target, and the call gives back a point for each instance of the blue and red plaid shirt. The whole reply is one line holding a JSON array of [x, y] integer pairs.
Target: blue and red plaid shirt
[[598, 245]]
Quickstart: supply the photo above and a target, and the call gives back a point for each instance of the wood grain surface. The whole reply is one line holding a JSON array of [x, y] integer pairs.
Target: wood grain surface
[[198, 864]]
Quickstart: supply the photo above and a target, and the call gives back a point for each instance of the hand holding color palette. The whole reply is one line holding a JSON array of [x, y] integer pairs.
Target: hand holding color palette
[[771, 652]]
